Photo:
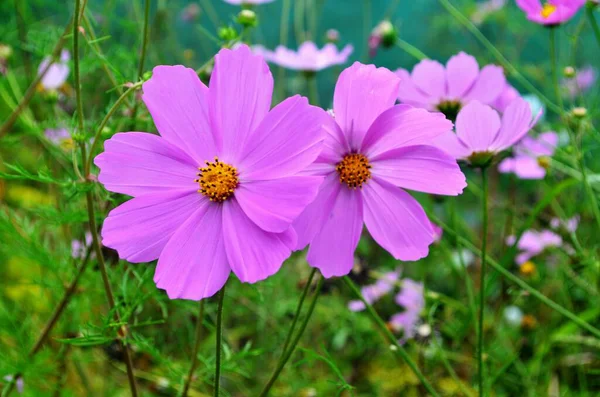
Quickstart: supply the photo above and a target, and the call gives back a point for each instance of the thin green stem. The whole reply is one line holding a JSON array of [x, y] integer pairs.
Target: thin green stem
[[391, 338], [299, 22], [76, 68], [145, 35], [411, 49], [313, 88], [218, 346], [297, 314], [590, 14], [554, 66], [197, 339], [484, 183], [294, 342], [463, 20]]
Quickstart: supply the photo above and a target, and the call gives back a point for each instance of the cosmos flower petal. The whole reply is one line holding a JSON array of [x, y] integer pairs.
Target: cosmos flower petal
[[137, 163], [477, 125], [450, 143], [461, 73], [310, 222], [430, 77], [489, 85], [401, 126], [253, 253], [274, 204], [396, 221], [422, 168], [524, 167], [516, 123], [178, 103], [288, 140], [241, 87], [335, 143], [57, 72], [332, 249], [410, 94], [193, 264], [140, 228], [362, 93]]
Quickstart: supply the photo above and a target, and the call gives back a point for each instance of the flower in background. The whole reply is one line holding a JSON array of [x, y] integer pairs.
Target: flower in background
[[191, 12], [551, 12], [218, 190], [57, 73], [372, 293], [60, 137], [569, 225], [5, 53], [448, 89], [437, 232], [485, 8], [513, 315], [244, 2], [78, 247], [508, 94], [373, 151], [308, 58], [19, 383], [533, 243], [531, 156], [332, 35], [384, 35], [412, 300], [583, 80], [481, 134], [462, 259]]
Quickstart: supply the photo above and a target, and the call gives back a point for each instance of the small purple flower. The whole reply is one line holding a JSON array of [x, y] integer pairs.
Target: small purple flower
[[57, 73], [372, 293], [584, 80], [78, 248], [412, 300], [569, 225], [191, 12], [374, 150], [19, 383], [60, 137], [308, 58], [551, 12], [533, 243], [218, 190], [448, 89], [529, 153]]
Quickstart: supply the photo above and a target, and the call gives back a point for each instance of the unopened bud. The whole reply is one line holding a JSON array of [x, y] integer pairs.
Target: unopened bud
[[569, 72], [332, 36], [147, 76], [579, 112], [5, 51], [247, 18], [227, 33]]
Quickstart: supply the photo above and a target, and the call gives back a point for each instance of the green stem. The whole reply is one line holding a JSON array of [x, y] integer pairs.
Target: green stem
[[411, 49], [484, 180], [197, 339], [391, 338], [299, 22], [294, 343], [497, 54], [144, 39], [297, 314], [590, 14], [76, 68], [554, 66], [219, 341], [313, 88]]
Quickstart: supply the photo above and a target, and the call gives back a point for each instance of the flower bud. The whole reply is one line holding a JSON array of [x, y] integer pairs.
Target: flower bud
[[147, 76], [579, 112], [5, 51], [388, 34], [247, 18], [227, 33], [569, 72], [332, 36]]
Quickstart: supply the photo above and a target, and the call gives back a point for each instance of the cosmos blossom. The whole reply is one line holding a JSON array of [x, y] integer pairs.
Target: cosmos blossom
[[584, 80], [374, 292], [530, 156], [57, 73], [372, 151], [508, 94], [569, 225], [308, 58], [533, 243], [481, 133], [412, 300], [551, 12], [218, 190], [448, 89], [60, 137]]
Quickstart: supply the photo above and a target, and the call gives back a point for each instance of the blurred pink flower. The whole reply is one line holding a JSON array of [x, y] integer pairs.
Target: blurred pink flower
[[584, 79], [235, 214], [509, 94], [532, 243], [485, 8], [19, 383], [57, 73], [551, 12], [308, 58], [480, 133], [372, 293], [569, 225], [527, 153], [411, 298], [373, 151], [78, 247], [448, 89], [191, 12]]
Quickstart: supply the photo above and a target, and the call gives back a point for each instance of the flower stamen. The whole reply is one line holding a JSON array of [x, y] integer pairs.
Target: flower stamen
[[354, 170], [548, 10], [217, 180]]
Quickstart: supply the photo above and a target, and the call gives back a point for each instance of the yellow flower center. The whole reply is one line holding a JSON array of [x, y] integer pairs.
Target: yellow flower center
[[217, 180], [450, 109], [548, 10], [67, 144], [544, 162], [527, 268], [354, 170]]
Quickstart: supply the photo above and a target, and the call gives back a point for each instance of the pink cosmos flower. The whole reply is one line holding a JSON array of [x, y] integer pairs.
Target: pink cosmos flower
[[373, 149], [480, 133], [411, 298], [569, 225], [529, 153], [308, 58], [78, 247], [532, 243], [447, 89], [551, 12], [248, 1], [372, 293], [219, 189], [509, 94], [57, 73], [582, 82]]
